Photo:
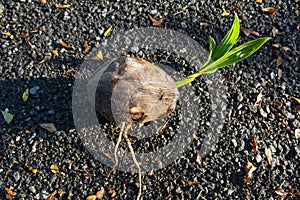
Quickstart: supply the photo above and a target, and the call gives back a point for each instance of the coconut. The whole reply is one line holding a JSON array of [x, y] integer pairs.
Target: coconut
[[135, 91]]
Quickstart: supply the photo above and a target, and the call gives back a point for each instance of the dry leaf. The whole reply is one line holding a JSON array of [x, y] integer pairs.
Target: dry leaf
[[258, 100], [239, 6], [276, 45], [268, 154], [279, 61], [91, 197], [225, 13], [281, 192], [259, 1], [50, 197], [61, 192], [275, 32], [247, 32], [86, 47], [199, 159], [63, 6], [25, 95], [55, 52], [277, 103], [8, 117], [47, 57], [249, 169], [43, 1], [156, 22], [255, 146], [10, 192], [8, 34], [298, 100], [54, 168], [99, 56], [270, 10], [112, 192], [48, 126], [33, 169], [297, 133], [62, 43], [186, 182], [107, 32], [100, 193]]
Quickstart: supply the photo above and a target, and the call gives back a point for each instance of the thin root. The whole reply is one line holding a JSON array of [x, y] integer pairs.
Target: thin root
[[116, 149], [134, 160]]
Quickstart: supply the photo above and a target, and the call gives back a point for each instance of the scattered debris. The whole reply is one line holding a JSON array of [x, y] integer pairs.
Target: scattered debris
[[249, 169], [225, 13], [51, 196], [62, 43], [112, 192], [186, 182], [255, 146], [100, 193], [268, 154], [91, 197], [47, 57], [247, 32], [48, 126], [55, 52], [281, 192], [107, 32], [86, 47], [199, 159], [54, 169], [156, 22], [25, 95], [258, 101], [258, 1], [33, 169], [62, 6], [270, 10], [239, 6], [279, 61], [297, 133], [7, 116], [298, 100]]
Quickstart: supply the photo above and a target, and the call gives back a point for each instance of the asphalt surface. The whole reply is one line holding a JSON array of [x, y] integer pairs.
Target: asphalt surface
[[31, 30]]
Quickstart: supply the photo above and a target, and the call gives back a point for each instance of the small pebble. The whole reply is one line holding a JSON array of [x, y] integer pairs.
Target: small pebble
[[16, 176], [34, 89], [32, 189]]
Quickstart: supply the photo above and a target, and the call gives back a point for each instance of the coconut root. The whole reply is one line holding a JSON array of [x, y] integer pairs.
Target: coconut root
[[123, 132]]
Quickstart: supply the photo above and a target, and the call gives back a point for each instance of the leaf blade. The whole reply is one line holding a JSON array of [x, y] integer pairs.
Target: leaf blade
[[228, 41], [8, 117]]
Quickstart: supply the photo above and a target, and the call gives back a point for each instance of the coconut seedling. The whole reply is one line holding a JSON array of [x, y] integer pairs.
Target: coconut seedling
[[133, 91]]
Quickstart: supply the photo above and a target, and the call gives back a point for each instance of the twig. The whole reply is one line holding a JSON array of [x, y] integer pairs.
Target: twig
[[116, 149], [134, 160]]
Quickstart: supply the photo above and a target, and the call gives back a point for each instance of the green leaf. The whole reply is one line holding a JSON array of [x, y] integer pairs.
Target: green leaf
[[235, 55], [212, 44], [25, 95], [228, 41], [7, 116]]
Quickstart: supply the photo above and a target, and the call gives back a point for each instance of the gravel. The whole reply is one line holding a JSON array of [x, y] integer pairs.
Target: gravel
[[29, 62]]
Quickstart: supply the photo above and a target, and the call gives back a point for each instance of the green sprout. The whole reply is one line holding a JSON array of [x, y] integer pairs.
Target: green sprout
[[223, 54]]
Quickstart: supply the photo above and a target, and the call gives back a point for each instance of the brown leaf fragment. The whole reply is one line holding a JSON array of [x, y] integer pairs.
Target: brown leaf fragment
[[48, 126], [55, 52], [276, 45], [62, 43], [26, 36], [255, 146], [62, 6], [247, 32], [268, 154], [156, 22], [258, 100], [61, 192], [297, 133], [281, 192], [51, 196], [258, 1], [186, 182], [239, 6], [54, 169], [199, 159], [43, 1], [249, 169], [270, 10], [275, 32], [11, 36], [10, 192], [205, 24], [107, 32], [86, 47], [100, 193], [91, 197], [279, 61], [112, 192], [46, 58], [225, 13], [277, 103], [33, 169]]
